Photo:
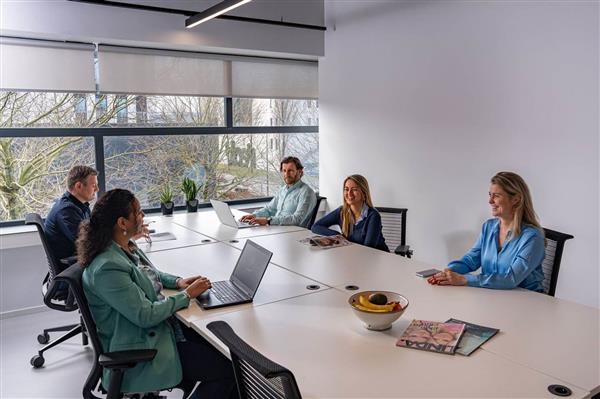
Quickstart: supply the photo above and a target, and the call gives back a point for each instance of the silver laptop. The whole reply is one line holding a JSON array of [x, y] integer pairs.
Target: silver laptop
[[226, 217], [244, 281]]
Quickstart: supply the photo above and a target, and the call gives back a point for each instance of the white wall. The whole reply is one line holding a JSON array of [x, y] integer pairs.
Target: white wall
[[65, 20], [429, 99]]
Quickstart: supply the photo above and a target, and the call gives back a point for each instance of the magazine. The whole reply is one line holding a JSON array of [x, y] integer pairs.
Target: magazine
[[326, 242], [473, 337], [432, 336]]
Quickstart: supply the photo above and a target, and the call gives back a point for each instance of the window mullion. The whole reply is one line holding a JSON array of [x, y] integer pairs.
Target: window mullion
[[99, 150], [228, 112]]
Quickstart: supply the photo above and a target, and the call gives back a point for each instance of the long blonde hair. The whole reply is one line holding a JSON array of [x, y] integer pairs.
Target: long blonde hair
[[515, 187], [347, 215]]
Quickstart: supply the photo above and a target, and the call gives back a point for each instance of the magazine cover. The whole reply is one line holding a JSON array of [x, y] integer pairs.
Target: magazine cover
[[326, 242], [473, 337], [432, 336]]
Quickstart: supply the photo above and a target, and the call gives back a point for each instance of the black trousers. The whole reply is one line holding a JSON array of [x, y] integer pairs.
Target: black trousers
[[200, 361]]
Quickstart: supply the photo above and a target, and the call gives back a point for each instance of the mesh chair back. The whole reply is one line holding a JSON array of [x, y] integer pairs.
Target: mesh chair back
[[313, 217], [73, 277], [555, 242], [256, 376], [53, 266], [393, 226], [66, 301]]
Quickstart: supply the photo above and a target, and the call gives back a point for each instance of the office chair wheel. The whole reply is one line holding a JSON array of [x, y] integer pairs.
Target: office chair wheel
[[43, 338], [37, 361]]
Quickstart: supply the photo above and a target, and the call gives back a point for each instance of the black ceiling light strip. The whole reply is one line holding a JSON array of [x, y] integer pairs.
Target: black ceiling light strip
[[190, 13], [136, 6], [271, 22]]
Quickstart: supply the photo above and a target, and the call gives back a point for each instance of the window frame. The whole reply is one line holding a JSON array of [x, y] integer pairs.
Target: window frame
[[98, 133]]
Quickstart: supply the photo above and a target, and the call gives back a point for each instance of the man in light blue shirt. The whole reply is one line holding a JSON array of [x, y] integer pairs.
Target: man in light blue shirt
[[293, 204]]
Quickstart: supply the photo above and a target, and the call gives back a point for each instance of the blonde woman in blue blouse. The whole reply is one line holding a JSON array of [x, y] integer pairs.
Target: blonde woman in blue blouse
[[510, 248]]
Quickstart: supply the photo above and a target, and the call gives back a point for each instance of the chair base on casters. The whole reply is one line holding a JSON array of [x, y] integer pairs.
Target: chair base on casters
[[38, 360], [44, 337]]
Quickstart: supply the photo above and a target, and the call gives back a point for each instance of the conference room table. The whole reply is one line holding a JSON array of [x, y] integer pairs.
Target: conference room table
[[542, 340], [179, 236], [207, 223], [216, 261]]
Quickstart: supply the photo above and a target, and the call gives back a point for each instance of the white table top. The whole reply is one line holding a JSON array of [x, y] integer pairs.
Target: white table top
[[184, 237], [541, 338], [208, 223], [216, 261], [535, 329], [332, 355], [333, 266]]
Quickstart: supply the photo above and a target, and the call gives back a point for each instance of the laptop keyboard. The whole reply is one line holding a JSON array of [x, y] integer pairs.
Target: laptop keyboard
[[225, 292]]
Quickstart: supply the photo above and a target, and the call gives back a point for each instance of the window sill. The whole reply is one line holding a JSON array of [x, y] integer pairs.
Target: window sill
[[27, 236]]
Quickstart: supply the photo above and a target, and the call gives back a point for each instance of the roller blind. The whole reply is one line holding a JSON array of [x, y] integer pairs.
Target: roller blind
[[30, 65], [147, 71], [274, 79], [133, 71]]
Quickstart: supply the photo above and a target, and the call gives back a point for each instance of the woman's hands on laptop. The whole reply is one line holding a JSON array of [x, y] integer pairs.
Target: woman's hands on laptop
[[194, 286]]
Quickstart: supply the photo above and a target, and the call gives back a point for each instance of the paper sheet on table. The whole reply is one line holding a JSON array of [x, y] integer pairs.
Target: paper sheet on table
[[157, 237]]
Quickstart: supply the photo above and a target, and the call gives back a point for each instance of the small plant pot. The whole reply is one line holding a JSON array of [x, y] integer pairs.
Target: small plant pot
[[167, 208], [192, 206]]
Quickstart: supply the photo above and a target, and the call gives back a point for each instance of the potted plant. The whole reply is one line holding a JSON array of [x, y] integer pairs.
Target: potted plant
[[190, 190], [166, 201]]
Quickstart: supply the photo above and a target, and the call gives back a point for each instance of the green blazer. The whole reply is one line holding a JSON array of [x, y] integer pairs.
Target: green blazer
[[129, 315]]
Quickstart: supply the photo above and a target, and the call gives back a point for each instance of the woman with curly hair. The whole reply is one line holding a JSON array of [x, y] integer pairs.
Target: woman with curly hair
[[123, 290]]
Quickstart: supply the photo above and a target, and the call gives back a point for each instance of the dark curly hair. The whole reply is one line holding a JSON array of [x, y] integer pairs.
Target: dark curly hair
[[96, 233]]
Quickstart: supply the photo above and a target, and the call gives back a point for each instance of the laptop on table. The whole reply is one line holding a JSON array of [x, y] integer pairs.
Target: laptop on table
[[226, 216], [243, 282]]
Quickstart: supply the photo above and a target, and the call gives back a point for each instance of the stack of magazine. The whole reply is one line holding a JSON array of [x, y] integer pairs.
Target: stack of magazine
[[326, 242], [452, 336]]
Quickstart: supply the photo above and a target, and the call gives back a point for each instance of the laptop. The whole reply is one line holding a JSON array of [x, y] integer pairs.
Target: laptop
[[226, 217], [244, 281]]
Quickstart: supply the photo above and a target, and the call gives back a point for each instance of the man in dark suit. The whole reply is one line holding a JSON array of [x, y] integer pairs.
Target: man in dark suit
[[62, 222]]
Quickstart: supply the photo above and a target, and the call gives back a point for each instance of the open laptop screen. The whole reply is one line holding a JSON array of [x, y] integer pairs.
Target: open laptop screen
[[251, 267]]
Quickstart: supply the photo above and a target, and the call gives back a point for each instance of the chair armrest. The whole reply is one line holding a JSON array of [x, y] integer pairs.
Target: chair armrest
[[69, 261], [403, 250], [59, 291], [126, 359]]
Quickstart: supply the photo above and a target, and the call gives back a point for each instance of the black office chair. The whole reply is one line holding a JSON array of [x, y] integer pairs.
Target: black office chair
[[255, 375], [555, 242], [117, 362], [59, 299], [313, 217], [393, 223]]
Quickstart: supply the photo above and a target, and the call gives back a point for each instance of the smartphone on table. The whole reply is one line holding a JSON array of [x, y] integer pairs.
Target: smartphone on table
[[428, 273]]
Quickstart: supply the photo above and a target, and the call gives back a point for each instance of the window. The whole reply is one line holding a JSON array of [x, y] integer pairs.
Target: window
[[33, 171], [225, 121], [274, 112], [146, 142], [225, 166]]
